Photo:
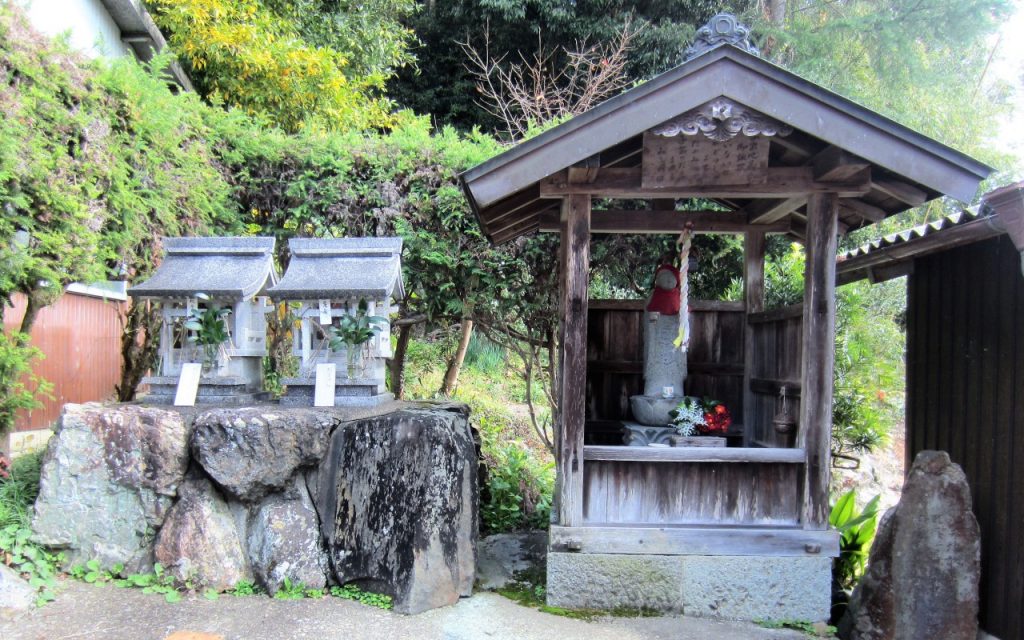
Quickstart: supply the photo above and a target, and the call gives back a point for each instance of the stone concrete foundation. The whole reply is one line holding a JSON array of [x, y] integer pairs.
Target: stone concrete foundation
[[731, 587]]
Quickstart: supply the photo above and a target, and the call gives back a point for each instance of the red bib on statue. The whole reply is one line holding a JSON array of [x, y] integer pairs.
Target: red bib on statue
[[665, 299]]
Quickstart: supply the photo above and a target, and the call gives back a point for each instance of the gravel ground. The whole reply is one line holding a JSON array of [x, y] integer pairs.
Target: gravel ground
[[87, 612]]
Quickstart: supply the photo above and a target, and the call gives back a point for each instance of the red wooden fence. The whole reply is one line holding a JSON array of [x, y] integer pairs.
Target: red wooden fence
[[80, 337]]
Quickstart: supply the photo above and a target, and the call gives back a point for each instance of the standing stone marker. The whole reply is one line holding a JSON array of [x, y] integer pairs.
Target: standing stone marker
[[924, 567]]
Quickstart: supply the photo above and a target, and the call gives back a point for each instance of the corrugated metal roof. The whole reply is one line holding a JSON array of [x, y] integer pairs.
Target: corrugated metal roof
[[953, 220]]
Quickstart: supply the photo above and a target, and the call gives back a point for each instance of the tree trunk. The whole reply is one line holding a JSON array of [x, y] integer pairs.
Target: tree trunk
[[139, 347], [451, 375], [34, 301], [396, 366]]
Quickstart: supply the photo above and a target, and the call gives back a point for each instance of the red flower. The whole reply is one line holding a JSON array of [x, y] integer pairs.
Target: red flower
[[716, 421]]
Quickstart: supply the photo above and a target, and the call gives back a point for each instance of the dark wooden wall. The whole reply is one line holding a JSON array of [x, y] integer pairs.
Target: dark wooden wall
[[965, 395], [704, 493], [615, 355], [776, 362]]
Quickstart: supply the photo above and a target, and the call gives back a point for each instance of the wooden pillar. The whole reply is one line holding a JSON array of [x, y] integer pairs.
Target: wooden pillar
[[818, 354], [575, 265], [753, 294]]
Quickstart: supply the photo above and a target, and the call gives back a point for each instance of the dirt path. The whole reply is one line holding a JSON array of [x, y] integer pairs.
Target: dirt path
[[86, 612]]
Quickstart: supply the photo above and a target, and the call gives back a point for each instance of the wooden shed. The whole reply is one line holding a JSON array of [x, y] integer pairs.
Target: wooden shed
[[965, 371], [739, 531]]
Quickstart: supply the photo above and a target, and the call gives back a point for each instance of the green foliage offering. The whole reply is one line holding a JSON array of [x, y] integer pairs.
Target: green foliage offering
[[17, 495], [19, 387], [857, 532], [356, 329], [353, 592], [208, 327]]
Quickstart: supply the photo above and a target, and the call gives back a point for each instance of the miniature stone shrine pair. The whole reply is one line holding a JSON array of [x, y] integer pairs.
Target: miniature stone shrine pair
[[215, 295]]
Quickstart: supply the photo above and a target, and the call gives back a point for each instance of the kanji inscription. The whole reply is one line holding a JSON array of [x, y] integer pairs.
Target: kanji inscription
[[699, 161]]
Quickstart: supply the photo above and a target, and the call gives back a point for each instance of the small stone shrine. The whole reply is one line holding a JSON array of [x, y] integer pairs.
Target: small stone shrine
[[343, 288], [211, 291]]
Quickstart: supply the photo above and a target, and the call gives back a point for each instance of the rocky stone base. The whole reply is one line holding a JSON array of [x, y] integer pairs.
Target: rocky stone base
[[311, 496], [730, 587]]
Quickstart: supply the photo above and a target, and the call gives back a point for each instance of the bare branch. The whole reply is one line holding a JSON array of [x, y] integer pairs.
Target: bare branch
[[552, 83]]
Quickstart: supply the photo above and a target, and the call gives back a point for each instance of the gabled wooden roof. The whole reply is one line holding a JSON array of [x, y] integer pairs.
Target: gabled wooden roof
[[512, 193]]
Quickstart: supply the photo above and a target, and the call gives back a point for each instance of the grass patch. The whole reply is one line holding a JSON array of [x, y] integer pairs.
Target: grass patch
[[811, 629], [528, 588], [31, 561]]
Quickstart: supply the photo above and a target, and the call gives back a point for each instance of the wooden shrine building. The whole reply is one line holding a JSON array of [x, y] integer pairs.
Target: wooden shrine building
[[739, 531]]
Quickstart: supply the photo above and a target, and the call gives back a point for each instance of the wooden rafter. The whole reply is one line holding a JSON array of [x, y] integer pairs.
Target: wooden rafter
[[902, 191], [661, 221], [768, 211], [779, 182]]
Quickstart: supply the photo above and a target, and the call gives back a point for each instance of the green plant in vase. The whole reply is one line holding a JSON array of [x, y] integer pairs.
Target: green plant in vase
[[208, 329], [353, 331]]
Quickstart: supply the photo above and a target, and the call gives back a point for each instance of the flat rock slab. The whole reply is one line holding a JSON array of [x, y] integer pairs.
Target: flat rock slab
[[503, 555], [103, 613], [398, 498]]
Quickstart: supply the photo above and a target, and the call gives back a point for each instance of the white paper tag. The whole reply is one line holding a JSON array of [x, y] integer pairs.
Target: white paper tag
[[323, 394], [190, 305], [325, 312], [188, 384]]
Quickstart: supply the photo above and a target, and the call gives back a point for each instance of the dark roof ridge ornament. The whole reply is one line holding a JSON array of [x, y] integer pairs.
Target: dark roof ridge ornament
[[723, 28]]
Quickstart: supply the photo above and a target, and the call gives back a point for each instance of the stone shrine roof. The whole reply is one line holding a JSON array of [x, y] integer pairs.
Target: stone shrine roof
[[229, 267], [342, 268]]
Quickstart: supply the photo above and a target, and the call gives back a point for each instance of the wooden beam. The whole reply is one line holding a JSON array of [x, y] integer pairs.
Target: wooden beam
[[655, 221], [575, 271], [585, 170], [782, 313], [618, 453], [818, 356], [1008, 203], [836, 165], [779, 182], [863, 209], [900, 190], [766, 211], [753, 295], [698, 540]]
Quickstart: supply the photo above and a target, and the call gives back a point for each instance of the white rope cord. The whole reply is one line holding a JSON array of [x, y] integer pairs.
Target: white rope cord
[[684, 289]]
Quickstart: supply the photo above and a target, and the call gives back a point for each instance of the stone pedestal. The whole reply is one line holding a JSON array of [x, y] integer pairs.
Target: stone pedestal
[[731, 587]]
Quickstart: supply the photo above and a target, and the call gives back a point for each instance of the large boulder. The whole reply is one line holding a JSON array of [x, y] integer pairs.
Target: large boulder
[[397, 498], [200, 541], [108, 479], [253, 452], [924, 567], [16, 596], [284, 540]]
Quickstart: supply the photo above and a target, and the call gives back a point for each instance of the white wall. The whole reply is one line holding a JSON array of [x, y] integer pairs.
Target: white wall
[[90, 27]]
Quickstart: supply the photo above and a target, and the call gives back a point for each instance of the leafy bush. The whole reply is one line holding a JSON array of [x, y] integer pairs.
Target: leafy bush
[[518, 490], [857, 532], [18, 385]]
